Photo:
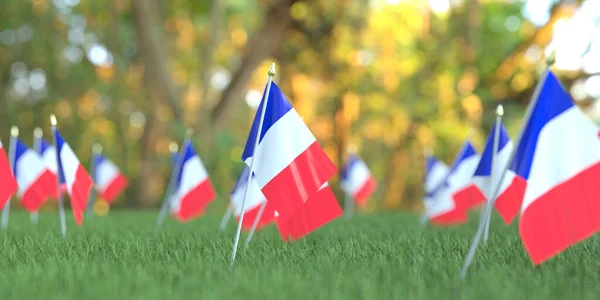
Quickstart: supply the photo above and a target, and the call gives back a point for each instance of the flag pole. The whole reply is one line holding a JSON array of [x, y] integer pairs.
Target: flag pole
[[34, 217], [14, 134], [263, 111], [528, 112], [494, 183], [166, 204], [226, 217], [96, 151], [255, 223], [61, 205]]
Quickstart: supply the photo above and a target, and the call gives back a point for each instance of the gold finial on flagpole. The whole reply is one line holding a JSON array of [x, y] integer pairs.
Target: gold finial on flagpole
[[352, 149], [272, 70], [500, 110], [173, 147], [53, 120], [14, 131], [97, 148], [38, 133]]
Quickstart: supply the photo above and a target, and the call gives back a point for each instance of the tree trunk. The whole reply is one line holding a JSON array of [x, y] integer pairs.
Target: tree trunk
[[263, 44]]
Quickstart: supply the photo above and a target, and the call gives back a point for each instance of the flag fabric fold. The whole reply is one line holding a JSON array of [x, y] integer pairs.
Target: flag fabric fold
[[36, 182], [253, 203], [356, 180], [319, 210], [72, 173], [558, 161], [48, 154], [290, 166], [193, 190], [109, 180], [9, 184]]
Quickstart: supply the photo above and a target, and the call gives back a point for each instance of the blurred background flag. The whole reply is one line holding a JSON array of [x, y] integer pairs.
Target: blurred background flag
[[73, 175], [319, 210], [9, 184], [290, 164], [356, 180], [36, 182], [457, 194], [193, 189], [109, 180], [559, 157], [253, 203], [436, 172], [508, 201]]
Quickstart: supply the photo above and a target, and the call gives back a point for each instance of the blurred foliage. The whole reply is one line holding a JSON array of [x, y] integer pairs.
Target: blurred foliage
[[390, 79]]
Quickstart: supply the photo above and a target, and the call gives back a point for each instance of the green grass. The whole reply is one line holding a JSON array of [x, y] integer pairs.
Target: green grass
[[385, 256]]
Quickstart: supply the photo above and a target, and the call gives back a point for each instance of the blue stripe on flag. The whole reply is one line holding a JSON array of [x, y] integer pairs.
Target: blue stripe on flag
[[467, 151], [485, 164], [277, 107], [20, 149], [187, 155], [553, 101], [59, 144], [352, 160]]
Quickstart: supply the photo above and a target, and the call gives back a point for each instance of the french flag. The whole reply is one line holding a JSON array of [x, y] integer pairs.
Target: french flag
[[193, 189], [508, 201], [458, 194], [436, 172], [9, 184], [559, 158], [74, 176], [356, 180], [290, 164], [48, 154], [253, 203], [36, 182], [319, 210], [109, 181]]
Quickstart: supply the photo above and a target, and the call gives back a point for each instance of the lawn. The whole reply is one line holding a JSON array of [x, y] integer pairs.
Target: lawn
[[386, 256]]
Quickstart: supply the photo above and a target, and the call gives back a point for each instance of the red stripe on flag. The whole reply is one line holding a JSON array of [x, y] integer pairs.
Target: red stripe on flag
[[509, 203], [267, 217], [39, 191], [365, 191], [315, 213], [454, 217], [299, 181], [9, 184], [468, 198], [80, 192], [115, 188], [193, 203], [562, 217]]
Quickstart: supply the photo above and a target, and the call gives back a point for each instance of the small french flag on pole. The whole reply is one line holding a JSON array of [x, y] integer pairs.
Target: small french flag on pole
[[110, 182], [253, 202], [356, 180], [36, 182], [74, 176], [558, 156], [290, 164], [193, 189], [9, 184], [457, 194], [508, 201]]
